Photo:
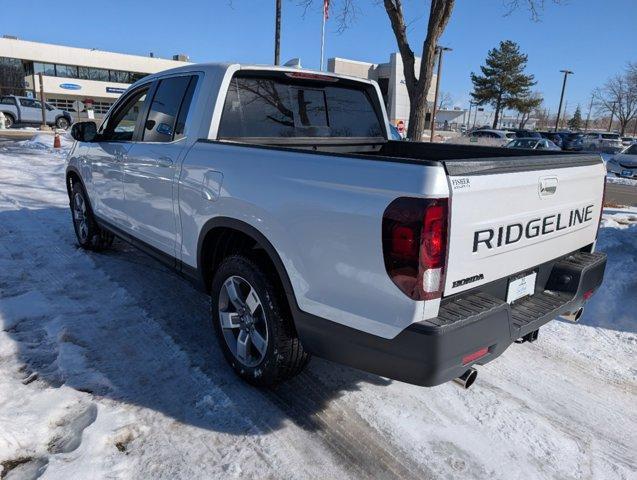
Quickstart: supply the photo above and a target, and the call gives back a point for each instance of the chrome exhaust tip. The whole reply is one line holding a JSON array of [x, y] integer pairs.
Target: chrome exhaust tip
[[573, 316], [467, 378]]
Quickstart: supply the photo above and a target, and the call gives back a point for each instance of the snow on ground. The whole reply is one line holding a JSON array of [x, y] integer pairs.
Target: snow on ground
[[109, 369]]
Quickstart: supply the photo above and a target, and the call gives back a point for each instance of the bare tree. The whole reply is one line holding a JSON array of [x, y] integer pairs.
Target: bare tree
[[418, 82], [525, 106], [618, 97], [445, 101]]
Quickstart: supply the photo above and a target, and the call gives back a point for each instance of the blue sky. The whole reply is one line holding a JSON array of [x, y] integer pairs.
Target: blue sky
[[594, 39]]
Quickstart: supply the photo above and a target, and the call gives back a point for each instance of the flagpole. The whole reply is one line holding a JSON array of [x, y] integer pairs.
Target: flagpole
[[322, 38]]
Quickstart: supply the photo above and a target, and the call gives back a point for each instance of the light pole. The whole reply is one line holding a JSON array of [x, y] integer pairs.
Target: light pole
[[277, 33], [433, 111], [559, 109]]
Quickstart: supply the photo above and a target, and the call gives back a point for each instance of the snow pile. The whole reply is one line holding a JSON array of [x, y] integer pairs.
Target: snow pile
[[44, 141], [109, 369], [621, 181]]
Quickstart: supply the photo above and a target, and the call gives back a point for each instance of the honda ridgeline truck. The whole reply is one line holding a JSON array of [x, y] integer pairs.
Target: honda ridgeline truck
[[279, 192]]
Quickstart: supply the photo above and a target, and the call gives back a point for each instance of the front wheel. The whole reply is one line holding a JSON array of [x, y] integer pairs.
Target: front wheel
[[253, 325], [89, 235]]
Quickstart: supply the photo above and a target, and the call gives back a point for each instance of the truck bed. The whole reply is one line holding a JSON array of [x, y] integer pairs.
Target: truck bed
[[476, 160]]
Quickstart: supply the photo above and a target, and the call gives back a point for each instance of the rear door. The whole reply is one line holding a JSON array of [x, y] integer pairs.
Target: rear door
[[152, 163], [30, 110], [508, 215]]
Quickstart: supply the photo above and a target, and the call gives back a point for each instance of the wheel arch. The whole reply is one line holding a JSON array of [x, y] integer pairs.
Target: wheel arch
[[10, 114], [73, 176], [222, 236]]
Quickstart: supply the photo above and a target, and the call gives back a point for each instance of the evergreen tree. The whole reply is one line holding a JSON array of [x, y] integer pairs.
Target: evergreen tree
[[503, 81], [575, 123]]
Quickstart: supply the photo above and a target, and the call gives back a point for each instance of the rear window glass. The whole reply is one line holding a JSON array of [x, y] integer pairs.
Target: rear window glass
[[269, 107], [610, 136]]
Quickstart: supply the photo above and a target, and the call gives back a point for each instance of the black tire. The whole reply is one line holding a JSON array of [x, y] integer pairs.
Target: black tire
[[284, 356], [9, 121], [62, 122], [89, 235]]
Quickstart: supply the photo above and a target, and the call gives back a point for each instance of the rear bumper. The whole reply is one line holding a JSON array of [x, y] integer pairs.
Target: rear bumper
[[429, 353]]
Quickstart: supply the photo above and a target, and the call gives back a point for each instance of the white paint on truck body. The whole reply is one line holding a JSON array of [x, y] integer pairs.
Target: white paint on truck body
[[492, 203]]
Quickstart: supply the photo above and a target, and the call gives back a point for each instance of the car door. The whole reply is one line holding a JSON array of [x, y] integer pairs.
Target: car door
[[30, 110], [152, 164], [106, 156]]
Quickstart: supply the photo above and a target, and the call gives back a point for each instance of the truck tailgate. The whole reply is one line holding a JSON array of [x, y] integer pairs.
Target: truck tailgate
[[509, 215]]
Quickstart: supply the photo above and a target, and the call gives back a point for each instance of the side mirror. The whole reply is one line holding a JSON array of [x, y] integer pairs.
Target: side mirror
[[84, 131]]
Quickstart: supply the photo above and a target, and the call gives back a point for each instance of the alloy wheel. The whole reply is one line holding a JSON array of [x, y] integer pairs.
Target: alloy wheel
[[80, 217], [243, 321]]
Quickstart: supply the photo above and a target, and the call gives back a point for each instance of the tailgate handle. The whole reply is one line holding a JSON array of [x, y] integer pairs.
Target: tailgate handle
[[547, 186]]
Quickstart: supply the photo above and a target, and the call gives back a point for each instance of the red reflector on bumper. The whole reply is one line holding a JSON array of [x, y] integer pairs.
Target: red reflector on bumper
[[472, 357], [588, 294]]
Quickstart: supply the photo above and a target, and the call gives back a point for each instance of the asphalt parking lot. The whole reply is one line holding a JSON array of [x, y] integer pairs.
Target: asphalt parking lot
[[618, 194]]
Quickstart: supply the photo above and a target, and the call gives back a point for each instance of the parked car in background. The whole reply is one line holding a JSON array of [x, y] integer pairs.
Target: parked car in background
[[627, 141], [624, 164], [573, 142], [521, 133], [554, 137], [493, 137], [28, 111], [532, 144], [603, 142]]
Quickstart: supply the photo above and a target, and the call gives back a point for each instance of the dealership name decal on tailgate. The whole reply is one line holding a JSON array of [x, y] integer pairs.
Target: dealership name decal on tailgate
[[509, 234]]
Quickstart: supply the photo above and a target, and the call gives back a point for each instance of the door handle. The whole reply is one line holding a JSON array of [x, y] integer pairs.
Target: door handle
[[164, 161]]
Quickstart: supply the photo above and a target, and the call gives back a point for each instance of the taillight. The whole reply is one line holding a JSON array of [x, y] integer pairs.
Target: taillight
[[415, 245]]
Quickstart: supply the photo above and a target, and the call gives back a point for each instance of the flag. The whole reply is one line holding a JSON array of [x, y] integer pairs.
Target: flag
[[326, 9]]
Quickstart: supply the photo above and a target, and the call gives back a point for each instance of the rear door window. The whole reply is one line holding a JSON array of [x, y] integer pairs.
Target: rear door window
[[261, 107], [162, 122]]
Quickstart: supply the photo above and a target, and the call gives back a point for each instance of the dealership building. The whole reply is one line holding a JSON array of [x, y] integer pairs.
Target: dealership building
[[391, 80], [92, 76]]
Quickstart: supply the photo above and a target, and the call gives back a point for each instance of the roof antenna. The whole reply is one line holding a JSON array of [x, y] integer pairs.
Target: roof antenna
[[294, 63]]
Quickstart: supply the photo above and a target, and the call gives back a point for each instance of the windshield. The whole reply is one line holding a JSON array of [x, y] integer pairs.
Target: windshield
[[281, 107], [610, 136]]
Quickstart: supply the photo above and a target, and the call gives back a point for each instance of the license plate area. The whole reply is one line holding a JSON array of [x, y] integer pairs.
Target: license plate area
[[626, 173], [521, 286]]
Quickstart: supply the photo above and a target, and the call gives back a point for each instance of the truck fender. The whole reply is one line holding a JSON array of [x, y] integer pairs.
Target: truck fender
[[261, 241]]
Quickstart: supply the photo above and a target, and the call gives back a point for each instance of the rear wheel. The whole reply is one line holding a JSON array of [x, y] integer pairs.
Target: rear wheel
[[89, 235], [62, 123], [252, 323]]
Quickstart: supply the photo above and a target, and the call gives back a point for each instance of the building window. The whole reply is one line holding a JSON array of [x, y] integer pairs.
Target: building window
[[12, 73], [68, 71], [134, 76], [120, 77], [89, 73], [44, 68]]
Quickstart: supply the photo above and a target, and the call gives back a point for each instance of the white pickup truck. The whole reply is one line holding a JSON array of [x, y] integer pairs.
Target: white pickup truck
[[278, 192], [28, 111]]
